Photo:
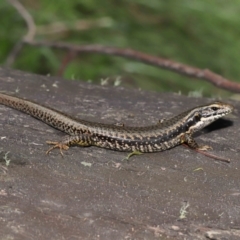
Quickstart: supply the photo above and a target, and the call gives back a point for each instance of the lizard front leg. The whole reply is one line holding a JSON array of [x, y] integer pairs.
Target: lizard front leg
[[189, 140]]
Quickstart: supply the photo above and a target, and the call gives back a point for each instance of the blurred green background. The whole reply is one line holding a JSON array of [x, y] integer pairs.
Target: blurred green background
[[201, 33]]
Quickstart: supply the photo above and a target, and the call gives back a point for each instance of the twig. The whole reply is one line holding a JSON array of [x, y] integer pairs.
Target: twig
[[180, 68], [29, 36], [209, 155], [68, 58], [13, 54], [213, 156], [27, 17]]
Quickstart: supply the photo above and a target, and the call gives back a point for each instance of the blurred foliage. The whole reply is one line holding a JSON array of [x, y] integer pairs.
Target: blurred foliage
[[200, 33]]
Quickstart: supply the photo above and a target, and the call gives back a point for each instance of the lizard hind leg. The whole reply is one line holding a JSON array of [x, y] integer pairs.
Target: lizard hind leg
[[81, 140], [60, 145]]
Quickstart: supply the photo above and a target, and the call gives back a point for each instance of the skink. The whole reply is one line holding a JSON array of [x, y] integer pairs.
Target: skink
[[159, 137]]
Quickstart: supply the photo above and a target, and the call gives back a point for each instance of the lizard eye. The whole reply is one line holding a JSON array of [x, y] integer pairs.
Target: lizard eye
[[214, 108]]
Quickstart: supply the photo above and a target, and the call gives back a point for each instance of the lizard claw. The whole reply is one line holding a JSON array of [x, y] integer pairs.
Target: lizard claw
[[59, 145]]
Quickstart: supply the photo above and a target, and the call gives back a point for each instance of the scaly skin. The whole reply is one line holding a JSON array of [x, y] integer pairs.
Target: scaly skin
[[164, 135]]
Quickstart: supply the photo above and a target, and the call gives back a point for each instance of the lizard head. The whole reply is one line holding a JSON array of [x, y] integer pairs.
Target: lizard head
[[202, 116]]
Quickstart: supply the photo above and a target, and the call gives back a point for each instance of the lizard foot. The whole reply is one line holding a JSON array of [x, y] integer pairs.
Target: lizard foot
[[204, 148], [59, 145], [132, 154]]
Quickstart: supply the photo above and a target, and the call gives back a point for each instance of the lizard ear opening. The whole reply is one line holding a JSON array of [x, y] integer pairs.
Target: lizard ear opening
[[197, 117]]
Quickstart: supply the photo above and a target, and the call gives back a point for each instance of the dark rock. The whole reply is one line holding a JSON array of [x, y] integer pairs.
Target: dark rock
[[91, 193]]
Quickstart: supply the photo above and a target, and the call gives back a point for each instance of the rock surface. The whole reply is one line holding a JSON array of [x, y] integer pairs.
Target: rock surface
[[92, 193]]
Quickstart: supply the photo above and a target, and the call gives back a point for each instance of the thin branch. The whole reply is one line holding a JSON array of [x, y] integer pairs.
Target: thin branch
[[27, 18], [217, 158], [180, 68], [68, 58], [29, 36], [13, 54]]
